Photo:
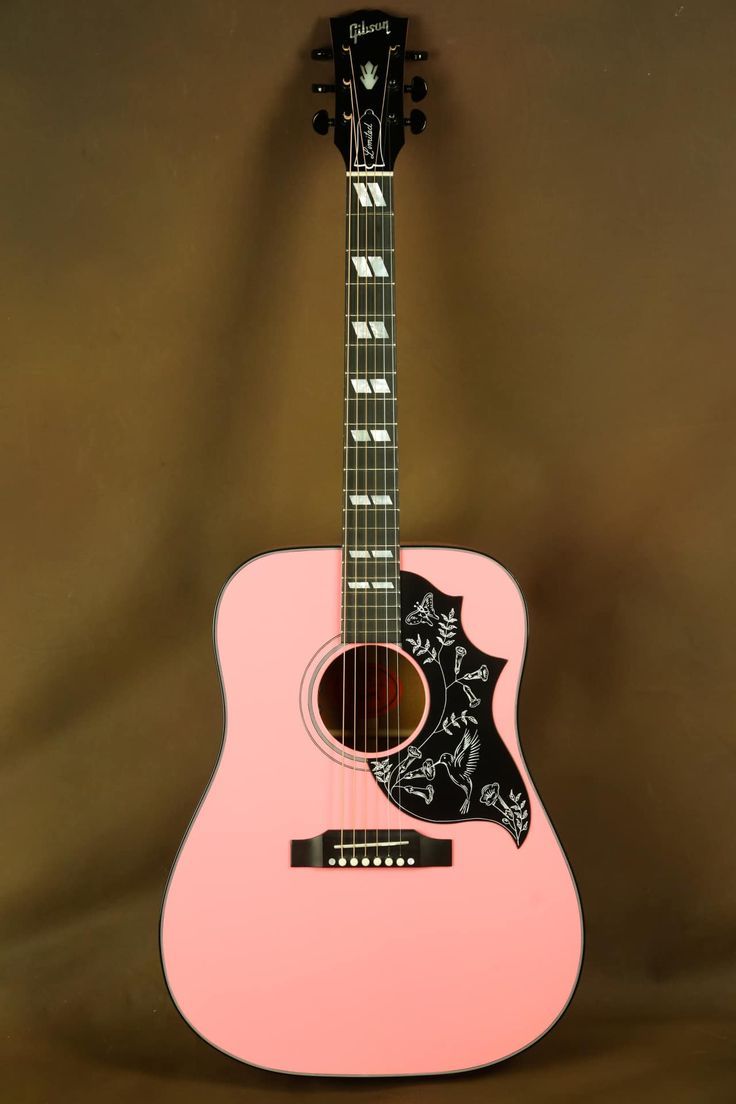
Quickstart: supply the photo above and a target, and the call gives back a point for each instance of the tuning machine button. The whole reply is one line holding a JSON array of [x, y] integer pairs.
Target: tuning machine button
[[416, 55], [322, 53], [322, 122], [417, 89], [416, 122], [323, 88]]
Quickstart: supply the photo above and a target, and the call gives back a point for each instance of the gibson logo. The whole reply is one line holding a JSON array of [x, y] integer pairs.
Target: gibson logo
[[363, 28]]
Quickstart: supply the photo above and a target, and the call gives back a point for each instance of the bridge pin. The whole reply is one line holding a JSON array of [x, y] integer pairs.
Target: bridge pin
[[410, 862], [331, 862], [399, 862], [353, 861], [389, 861], [342, 862], [377, 861], [366, 862]]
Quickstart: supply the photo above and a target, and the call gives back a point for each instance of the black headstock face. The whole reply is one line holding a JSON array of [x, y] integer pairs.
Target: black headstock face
[[368, 50]]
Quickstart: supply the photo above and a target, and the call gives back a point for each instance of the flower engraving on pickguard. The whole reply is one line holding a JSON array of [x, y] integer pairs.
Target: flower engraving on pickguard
[[458, 751], [445, 629], [515, 815]]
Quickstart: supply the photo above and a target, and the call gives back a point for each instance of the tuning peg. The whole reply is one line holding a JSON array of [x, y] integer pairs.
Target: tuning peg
[[416, 122], [323, 88], [417, 88], [322, 53], [322, 122], [416, 55]]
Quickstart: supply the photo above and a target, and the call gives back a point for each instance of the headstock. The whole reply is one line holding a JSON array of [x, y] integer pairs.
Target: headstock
[[368, 49]]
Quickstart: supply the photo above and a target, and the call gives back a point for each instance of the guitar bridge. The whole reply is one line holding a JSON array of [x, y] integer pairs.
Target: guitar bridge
[[362, 848]]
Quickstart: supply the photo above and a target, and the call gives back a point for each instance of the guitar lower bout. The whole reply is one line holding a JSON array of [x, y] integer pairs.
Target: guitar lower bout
[[447, 928]]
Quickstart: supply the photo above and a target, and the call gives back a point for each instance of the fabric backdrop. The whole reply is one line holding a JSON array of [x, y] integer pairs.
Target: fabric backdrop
[[171, 305]]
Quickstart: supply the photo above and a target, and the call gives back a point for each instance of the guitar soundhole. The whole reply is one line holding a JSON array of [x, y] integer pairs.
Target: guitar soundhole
[[371, 698]]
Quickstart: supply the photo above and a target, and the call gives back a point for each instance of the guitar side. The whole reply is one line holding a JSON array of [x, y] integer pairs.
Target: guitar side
[[373, 972]]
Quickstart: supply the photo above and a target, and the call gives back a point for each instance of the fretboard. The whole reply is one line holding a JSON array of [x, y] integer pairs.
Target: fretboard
[[370, 567]]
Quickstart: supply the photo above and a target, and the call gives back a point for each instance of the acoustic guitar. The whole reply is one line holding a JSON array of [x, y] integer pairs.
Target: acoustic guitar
[[370, 885]]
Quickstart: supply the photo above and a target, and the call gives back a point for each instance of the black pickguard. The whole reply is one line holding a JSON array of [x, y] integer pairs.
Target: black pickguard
[[457, 767]]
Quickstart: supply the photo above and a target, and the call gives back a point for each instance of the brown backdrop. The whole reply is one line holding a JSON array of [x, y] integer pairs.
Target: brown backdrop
[[171, 340]]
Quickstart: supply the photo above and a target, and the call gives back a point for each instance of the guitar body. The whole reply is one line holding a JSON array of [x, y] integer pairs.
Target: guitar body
[[356, 970]]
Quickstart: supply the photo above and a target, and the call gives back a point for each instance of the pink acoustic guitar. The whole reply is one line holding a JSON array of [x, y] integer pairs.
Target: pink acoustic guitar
[[370, 884]]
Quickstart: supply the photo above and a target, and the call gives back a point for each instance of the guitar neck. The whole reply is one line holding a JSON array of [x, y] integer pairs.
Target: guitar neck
[[370, 554]]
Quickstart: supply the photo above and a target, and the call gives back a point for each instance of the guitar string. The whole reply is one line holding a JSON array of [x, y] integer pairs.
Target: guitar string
[[360, 529], [366, 516], [395, 490], [361, 511], [346, 519], [386, 219], [389, 443], [360, 407], [390, 567], [353, 528], [370, 298], [363, 317], [377, 646], [382, 708], [369, 404]]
